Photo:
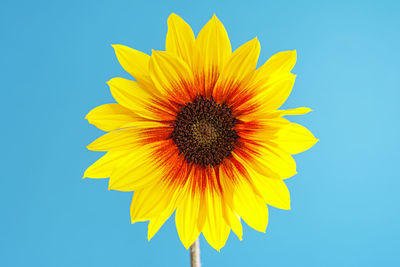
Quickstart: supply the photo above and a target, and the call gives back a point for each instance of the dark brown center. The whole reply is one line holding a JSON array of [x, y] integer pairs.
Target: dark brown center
[[204, 132]]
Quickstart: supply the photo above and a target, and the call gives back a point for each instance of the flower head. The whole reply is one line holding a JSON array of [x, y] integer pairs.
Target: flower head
[[199, 133]]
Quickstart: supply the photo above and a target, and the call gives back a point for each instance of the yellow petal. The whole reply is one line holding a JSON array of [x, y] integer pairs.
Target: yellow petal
[[118, 140], [274, 93], [212, 49], [273, 191], [295, 139], [233, 220], [215, 229], [266, 128], [296, 111], [242, 62], [230, 216], [277, 160], [152, 200], [104, 166], [251, 207], [273, 80], [134, 62], [170, 74], [130, 95], [180, 38], [156, 223], [186, 217], [278, 64], [259, 166], [135, 171], [110, 117]]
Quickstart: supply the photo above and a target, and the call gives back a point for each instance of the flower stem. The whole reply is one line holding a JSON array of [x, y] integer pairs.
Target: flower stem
[[195, 254]]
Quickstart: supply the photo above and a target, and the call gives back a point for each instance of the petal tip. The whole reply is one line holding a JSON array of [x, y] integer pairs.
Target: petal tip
[[115, 46], [110, 81], [173, 16], [215, 19], [149, 236]]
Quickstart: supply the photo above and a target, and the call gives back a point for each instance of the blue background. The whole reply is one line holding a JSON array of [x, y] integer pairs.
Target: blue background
[[55, 59]]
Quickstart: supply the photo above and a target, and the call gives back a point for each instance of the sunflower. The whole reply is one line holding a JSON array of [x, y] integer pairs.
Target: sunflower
[[199, 133]]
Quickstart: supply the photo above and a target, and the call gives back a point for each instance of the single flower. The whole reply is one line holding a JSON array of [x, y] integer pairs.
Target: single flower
[[199, 133]]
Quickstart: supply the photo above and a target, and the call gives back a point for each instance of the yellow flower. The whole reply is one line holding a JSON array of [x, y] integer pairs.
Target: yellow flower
[[199, 132]]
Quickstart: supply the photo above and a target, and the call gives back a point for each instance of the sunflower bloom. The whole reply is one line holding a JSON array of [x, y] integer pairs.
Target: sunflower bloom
[[199, 133]]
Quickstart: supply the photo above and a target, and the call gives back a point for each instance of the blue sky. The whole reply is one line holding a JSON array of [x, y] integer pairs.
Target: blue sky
[[56, 58]]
